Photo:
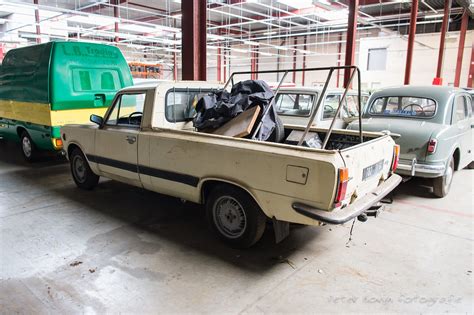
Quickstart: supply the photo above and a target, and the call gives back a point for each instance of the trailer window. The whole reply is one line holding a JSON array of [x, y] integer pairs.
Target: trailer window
[[403, 106]]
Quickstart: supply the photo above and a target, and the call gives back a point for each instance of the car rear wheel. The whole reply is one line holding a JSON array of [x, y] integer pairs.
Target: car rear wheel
[[28, 148], [442, 184], [235, 216], [81, 171]]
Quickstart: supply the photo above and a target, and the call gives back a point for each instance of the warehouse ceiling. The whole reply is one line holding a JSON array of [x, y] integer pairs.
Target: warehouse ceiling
[[151, 29]]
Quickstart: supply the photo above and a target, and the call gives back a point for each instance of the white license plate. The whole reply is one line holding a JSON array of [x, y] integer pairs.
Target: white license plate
[[372, 170]]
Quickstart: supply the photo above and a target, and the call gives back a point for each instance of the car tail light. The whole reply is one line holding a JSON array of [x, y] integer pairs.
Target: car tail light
[[432, 146], [343, 178], [396, 157]]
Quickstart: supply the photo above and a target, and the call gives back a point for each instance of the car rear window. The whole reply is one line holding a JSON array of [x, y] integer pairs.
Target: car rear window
[[294, 104], [403, 106]]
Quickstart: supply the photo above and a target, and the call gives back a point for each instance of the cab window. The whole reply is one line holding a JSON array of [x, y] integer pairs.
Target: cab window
[[127, 110], [180, 104], [330, 106]]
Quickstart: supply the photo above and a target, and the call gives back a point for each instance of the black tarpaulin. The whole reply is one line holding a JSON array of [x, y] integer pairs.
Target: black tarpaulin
[[215, 109]]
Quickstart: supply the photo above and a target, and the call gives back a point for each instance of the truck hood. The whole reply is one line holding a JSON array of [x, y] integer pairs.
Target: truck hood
[[414, 134]]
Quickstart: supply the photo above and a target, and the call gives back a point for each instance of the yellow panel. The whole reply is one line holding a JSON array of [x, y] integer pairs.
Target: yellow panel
[[41, 114]]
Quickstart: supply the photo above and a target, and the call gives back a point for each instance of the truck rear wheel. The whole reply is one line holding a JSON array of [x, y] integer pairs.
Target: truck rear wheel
[[28, 148], [442, 184], [81, 171], [234, 216]]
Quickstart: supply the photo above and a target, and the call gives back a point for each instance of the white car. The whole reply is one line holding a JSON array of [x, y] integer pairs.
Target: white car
[[294, 105]]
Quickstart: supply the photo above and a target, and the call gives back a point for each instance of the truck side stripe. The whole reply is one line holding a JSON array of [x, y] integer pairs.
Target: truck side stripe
[[145, 170]]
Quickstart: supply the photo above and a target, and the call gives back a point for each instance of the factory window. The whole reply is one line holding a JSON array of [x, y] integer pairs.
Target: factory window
[[377, 59]]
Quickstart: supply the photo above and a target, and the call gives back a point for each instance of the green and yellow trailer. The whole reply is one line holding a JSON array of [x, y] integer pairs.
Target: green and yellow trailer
[[46, 86]]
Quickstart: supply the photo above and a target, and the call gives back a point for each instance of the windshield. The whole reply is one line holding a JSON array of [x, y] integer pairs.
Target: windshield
[[294, 104], [403, 106]]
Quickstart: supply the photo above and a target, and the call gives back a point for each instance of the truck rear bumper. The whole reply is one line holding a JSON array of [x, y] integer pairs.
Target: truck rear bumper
[[341, 216]]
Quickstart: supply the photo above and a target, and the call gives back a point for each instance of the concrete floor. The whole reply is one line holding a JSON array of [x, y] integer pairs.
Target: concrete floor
[[123, 249]]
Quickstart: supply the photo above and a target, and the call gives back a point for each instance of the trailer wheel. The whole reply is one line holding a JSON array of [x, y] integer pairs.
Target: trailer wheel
[[442, 184], [81, 171], [234, 216], [28, 148]]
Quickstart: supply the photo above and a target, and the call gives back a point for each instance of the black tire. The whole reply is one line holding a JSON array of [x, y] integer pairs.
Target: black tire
[[81, 171], [442, 184], [28, 148], [471, 165], [226, 204]]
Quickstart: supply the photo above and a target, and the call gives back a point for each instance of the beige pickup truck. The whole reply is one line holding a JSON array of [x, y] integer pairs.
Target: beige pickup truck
[[147, 139]]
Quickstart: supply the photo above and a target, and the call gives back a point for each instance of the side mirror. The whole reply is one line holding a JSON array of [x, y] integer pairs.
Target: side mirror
[[97, 120]]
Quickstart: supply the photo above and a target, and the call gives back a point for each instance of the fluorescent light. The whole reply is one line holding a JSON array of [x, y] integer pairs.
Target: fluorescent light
[[265, 53], [240, 50], [270, 33], [297, 4], [92, 19], [138, 28], [281, 47], [434, 16], [247, 42]]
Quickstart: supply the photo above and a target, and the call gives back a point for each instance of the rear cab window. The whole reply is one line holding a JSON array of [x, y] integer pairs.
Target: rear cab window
[[180, 104], [403, 106]]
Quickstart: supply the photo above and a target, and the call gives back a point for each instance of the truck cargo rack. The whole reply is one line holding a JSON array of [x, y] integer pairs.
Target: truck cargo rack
[[353, 70]]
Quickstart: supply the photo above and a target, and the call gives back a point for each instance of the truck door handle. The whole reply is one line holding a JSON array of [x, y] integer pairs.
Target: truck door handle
[[131, 139]]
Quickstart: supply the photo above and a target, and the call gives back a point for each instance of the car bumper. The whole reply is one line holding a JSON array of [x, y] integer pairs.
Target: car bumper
[[352, 211], [421, 169]]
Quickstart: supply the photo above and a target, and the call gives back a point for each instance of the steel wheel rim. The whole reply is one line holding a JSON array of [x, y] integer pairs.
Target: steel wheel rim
[[79, 168], [26, 146], [229, 217]]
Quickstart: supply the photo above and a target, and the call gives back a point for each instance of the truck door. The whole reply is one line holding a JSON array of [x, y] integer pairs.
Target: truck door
[[116, 143]]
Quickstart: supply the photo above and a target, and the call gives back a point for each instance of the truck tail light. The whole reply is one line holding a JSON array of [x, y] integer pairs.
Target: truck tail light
[[342, 179], [432, 146], [396, 157]]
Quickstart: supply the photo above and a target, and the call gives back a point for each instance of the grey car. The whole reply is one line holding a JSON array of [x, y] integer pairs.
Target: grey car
[[435, 125]]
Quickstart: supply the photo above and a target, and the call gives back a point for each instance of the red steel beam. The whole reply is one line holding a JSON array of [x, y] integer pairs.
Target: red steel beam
[[444, 29], [303, 75], [193, 40], [295, 42], [351, 38], [339, 49], [470, 76], [37, 21], [219, 62], [411, 40], [253, 66], [462, 41], [225, 66]]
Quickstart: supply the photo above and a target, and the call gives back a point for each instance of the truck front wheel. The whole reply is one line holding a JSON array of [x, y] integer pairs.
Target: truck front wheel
[[235, 216], [81, 172]]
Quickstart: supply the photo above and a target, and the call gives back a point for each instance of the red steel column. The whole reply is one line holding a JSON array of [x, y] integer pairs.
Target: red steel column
[[116, 15], [411, 40], [253, 66], [438, 80], [304, 60], [193, 40], [351, 38], [339, 48], [470, 77], [295, 42], [37, 21], [225, 66], [219, 61], [462, 41]]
